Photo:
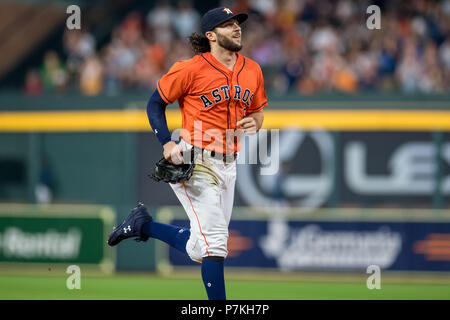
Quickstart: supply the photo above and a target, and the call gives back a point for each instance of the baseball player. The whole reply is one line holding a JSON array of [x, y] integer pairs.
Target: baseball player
[[221, 95]]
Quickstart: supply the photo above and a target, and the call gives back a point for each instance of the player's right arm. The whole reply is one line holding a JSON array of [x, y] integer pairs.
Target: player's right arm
[[156, 113], [168, 89]]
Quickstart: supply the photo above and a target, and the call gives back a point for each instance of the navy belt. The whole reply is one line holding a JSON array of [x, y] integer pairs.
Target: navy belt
[[224, 156], [215, 154]]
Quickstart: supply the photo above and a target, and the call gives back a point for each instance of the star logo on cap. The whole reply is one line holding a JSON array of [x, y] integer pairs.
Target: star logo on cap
[[228, 11]]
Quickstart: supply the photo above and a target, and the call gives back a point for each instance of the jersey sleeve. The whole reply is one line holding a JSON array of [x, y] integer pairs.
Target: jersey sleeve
[[259, 100], [174, 83]]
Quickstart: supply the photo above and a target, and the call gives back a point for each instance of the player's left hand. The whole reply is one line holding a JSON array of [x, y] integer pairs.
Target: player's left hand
[[248, 125]]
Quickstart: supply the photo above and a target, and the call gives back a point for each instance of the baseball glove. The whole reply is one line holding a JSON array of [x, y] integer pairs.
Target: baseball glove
[[172, 173]]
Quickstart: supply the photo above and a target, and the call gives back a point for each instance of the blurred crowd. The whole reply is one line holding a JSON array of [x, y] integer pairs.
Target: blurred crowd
[[303, 46]]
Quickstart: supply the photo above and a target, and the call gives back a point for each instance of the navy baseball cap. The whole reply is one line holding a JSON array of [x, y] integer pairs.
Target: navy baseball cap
[[214, 17]]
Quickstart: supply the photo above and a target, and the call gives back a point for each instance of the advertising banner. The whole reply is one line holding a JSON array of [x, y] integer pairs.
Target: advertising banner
[[335, 242], [371, 169], [56, 234]]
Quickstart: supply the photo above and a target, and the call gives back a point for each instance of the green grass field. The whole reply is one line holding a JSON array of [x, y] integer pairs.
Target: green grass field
[[30, 286]]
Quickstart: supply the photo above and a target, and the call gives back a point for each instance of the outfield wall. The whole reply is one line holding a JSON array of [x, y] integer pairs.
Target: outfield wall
[[337, 151], [328, 164], [41, 238]]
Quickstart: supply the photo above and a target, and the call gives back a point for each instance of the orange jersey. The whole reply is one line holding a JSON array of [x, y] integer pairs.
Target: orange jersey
[[212, 99]]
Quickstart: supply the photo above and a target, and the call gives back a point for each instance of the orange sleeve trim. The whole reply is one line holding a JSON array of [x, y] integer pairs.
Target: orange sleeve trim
[[161, 93], [258, 108]]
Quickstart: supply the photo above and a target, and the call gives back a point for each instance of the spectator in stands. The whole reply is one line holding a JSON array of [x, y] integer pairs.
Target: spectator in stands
[[387, 62], [132, 27], [432, 76], [33, 84], [53, 74], [444, 53], [148, 68], [91, 76], [308, 46], [160, 20], [111, 70], [409, 70], [78, 44], [122, 55], [186, 20]]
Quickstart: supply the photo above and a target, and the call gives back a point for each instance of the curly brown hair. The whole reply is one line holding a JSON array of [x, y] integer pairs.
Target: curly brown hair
[[199, 43]]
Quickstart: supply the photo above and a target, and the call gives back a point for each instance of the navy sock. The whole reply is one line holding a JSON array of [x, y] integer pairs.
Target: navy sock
[[174, 236], [213, 278]]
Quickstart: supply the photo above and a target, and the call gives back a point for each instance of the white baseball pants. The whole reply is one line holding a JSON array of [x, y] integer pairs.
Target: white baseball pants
[[207, 199]]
